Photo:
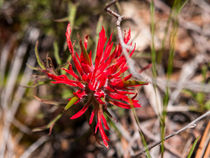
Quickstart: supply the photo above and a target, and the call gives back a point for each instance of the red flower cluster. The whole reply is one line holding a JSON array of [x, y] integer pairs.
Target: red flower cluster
[[100, 83]]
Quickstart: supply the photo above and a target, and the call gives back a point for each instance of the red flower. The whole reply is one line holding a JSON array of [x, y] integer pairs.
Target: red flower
[[100, 83]]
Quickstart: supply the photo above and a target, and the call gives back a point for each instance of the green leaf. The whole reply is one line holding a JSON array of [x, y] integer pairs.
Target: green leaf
[[32, 67], [54, 120], [207, 105], [65, 19], [38, 58], [193, 147], [98, 29], [85, 53], [133, 83], [71, 102], [178, 5], [38, 84], [112, 124], [66, 93], [39, 129], [204, 72], [72, 13], [67, 65], [51, 123], [143, 140], [152, 28], [200, 98], [56, 53]]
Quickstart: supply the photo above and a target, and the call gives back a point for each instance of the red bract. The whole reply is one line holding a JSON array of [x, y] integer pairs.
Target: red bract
[[100, 83]]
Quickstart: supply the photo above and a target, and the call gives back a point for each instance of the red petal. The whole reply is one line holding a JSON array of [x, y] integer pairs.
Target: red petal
[[103, 135], [76, 63], [81, 112], [99, 100], [107, 51], [86, 68], [124, 92], [64, 79], [122, 70], [71, 72], [79, 93], [90, 57], [86, 41], [100, 47], [91, 117], [127, 77], [122, 105], [105, 122], [96, 128], [68, 34], [118, 96]]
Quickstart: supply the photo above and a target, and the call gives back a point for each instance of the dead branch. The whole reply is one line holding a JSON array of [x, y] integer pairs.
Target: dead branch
[[190, 125], [34, 146], [130, 62], [142, 76]]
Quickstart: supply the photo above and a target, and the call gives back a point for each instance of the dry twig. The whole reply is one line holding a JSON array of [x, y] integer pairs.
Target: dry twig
[[34, 146], [10, 104], [142, 76], [130, 62], [190, 125]]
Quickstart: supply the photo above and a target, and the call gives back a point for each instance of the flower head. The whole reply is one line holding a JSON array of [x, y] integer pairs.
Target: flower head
[[100, 83]]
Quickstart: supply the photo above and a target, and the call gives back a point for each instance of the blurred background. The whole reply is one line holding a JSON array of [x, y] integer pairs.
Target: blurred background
[[175, 38]]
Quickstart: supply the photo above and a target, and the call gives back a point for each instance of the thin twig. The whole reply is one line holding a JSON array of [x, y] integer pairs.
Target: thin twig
[[190, 85], [142, 76], [187, 72], [10, 106], [34, 146], [3, 58], [182, 21], [204, 5], [23, 128], [130, 62], [10, 113], [190, 125]]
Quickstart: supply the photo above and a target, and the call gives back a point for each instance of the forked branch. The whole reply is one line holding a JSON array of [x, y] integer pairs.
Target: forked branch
[[142, 76]]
